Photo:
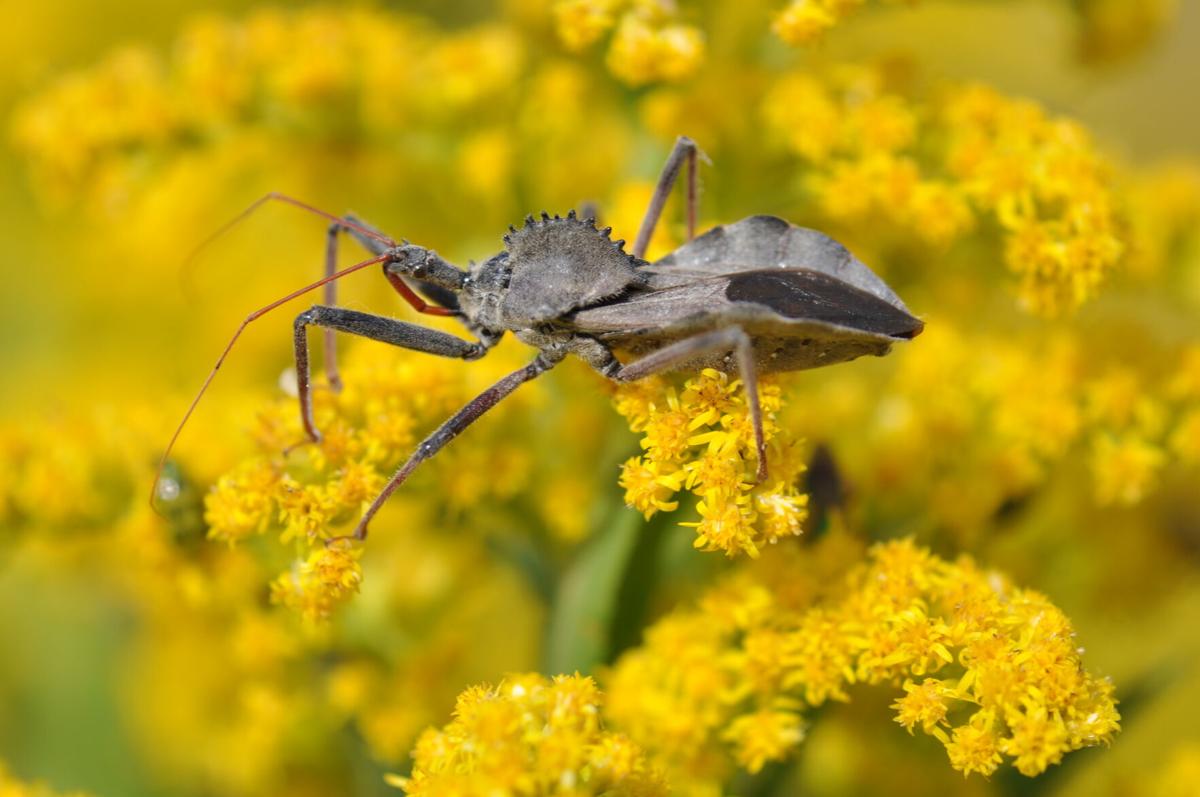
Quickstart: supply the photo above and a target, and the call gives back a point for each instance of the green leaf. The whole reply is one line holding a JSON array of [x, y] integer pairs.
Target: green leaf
[[581, 619]]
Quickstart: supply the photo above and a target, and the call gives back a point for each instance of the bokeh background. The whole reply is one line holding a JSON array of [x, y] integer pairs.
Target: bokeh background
[[1056, 440]]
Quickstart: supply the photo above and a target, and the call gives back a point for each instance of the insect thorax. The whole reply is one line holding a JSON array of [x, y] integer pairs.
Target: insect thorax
[[556, 265]]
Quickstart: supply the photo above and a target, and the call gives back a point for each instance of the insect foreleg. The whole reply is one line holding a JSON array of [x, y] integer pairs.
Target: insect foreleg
[[685, 150], [684, 351], [386, 330], [451, 429]]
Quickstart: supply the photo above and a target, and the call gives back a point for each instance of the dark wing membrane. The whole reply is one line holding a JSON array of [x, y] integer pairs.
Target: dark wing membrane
[[766, 242], [806, 295]]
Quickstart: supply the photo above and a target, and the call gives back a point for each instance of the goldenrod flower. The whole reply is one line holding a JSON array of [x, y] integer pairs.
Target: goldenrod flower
[[314, 492], [1004, 656], [1040, 178], [763, 736], [328, 577], [701, 439], [923, 704], [646, 46], [1126, 468], [581, 22], [804, 21], [974, 747], [530, 735], [1109, 30]]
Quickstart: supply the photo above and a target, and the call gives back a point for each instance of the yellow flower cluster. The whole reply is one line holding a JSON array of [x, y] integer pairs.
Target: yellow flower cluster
[[1109, 29], [311, 74], [69, 471], [328, 577], [990, 670], [805, 21], [530, 735], [314, 492], [258, 712], [1039, 178], [701, 439], [1003, 413], [1011, 415], [648, 45], [11, 787]]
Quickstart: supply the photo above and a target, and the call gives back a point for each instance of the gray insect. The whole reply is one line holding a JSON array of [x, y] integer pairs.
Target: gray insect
[[757, 296]]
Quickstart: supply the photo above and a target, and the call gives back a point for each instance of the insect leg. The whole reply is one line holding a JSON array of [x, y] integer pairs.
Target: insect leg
[[275, 196], [386, 330], [212, 374], [685, 149], [681, 352], [371, 239], [452, 428], [330, 347]]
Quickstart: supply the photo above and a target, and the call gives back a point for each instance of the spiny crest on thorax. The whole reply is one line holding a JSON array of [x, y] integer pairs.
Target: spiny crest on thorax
[[562, 264]]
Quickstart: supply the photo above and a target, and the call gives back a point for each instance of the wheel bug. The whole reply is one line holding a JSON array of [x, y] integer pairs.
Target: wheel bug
[[758, 295]]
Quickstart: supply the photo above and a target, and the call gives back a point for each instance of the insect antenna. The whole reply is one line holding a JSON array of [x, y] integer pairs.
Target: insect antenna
[[154, 488], [273, 196]]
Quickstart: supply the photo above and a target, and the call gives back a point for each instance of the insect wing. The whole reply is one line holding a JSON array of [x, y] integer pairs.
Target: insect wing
[[766, 242], [795, 302], [804, 295]]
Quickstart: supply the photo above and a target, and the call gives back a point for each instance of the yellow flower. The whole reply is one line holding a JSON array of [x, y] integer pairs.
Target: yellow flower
[[974, 748], [1109, 30], [327, 578], [764, 736], [701, 439], [803, 21], [645, 48], [1007, 654], [530, 735], [646, 489], [726, 524], [641, 53], [581, 22], [444, 135], [923, 703], [1037, 740], [1041, 178], [1125, 468]]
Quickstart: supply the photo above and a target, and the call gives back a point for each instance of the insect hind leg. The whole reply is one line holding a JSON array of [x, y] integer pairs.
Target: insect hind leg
[[684, 351], [685, 150]]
